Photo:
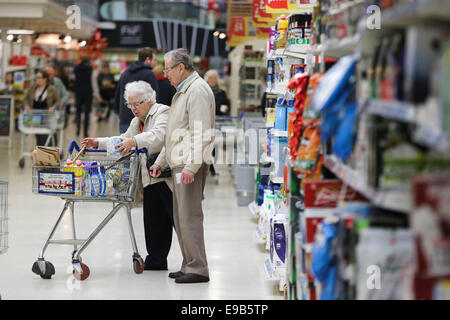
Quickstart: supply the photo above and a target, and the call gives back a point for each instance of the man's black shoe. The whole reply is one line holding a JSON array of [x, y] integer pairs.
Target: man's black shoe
[[191, 278], [175, 275]]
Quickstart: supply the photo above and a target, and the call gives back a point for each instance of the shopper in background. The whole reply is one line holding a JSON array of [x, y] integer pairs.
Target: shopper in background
[[42, 95], [220, 96], [138, 70], [222, 107], [8, 85], [107, 86], [166, 91], [263, 88], [59, 85], [147, 130], [188, 150], [83, 92]]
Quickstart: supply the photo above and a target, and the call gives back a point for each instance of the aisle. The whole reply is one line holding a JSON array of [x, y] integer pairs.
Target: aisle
[[235, 258]]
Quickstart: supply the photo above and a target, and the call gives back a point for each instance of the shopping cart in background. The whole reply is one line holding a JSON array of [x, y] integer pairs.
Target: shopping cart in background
[[226, 139], [36, 121], [97, 177], [3, 218]]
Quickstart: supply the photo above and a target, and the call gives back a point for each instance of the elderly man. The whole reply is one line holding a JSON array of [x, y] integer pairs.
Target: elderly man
[[187, 150], [59, 85]]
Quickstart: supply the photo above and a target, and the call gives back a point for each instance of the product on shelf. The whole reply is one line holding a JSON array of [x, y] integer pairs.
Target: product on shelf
[[299, 29], [385, 264], [430, 222], [300, 84]]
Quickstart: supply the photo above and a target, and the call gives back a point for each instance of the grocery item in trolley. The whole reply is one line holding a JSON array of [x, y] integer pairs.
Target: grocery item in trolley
[[94, 174]]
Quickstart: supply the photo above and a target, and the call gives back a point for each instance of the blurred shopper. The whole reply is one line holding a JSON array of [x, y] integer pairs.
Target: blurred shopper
[[138, 70], [106, 86], [42, 95], [147, 130], [222, 107], [220, 96], [59, 85], [8, 85], [166, 91], [187, 150], [83, 93]]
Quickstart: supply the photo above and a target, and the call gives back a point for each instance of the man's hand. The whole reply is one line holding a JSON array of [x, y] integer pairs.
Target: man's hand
[[187, 176], [125, 146], [155, 171], [90, 142]]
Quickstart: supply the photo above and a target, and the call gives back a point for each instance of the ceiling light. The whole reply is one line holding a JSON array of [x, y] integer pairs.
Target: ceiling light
[[9, 37], [20, 31], [222, 35], [82, 43], [67, 39], [215, 34]]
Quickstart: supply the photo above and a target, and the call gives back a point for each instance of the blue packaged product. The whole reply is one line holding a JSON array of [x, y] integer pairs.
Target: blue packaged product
[[280, 118], [333, 83], [343, 143]]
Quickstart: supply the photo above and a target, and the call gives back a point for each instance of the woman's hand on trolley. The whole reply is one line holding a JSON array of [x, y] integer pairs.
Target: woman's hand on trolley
[[155, 171], [90, 142], [125, 146]]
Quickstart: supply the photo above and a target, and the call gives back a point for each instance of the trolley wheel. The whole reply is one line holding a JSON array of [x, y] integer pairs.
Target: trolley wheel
[[138, 265], [22, 162], [85, 273], [43, 268]]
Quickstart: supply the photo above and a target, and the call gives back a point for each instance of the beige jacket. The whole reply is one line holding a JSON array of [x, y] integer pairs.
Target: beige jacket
[[151, 138], [189, 137]]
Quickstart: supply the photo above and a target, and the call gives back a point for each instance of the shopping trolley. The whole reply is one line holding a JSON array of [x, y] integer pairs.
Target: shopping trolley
[[37, 121], [98, 177], [227, 135]]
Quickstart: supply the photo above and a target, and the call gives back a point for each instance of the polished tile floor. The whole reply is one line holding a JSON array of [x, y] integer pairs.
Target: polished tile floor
[[235, 257]]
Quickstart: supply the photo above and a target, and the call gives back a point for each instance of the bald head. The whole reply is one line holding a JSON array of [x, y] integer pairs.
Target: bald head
[[50, 71]]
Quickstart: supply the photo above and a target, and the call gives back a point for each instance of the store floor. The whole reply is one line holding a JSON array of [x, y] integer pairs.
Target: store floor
[[235, 258]]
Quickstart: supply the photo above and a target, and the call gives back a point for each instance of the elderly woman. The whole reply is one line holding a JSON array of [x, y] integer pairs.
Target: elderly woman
[[147, 130]]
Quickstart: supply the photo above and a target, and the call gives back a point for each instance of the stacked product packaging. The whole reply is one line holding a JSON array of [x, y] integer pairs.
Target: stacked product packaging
[[367, 128]]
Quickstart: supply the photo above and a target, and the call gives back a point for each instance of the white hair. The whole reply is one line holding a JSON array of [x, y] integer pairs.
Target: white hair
[[210, 73], [140, 88]]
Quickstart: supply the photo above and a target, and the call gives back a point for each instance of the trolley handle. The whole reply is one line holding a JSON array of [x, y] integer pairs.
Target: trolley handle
[[73, 145]]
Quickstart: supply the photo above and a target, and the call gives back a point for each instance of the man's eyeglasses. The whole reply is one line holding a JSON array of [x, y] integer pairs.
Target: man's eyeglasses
[[167, 70], [136, 104]]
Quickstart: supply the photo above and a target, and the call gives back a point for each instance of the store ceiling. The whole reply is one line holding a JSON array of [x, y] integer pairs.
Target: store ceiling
[[42, 16]]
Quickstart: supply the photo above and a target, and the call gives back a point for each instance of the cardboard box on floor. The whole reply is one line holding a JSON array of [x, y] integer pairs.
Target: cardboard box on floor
[[46, 156]]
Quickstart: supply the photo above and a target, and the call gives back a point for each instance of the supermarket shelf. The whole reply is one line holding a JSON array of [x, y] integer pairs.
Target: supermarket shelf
[[392, 200], [297, 55], [279, 133], [335, 48], [15, 68], [297, 51], [254, 63], [275, 91], [276, 179], [342, 7], [396, 110], [276, 53], [432, 138], [404, 14]]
